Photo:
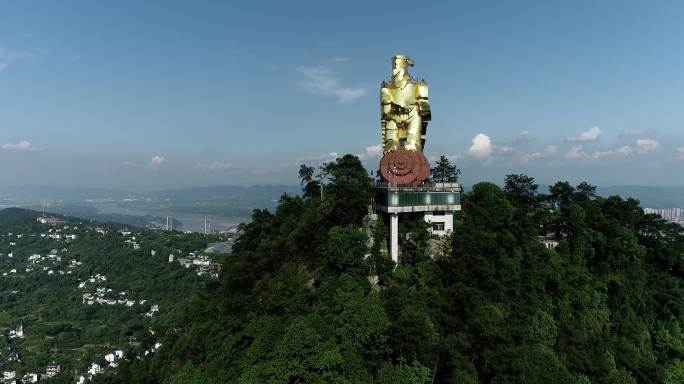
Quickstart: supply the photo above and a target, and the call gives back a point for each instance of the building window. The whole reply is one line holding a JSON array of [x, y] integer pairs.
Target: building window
[[438, 213], [394, 199], [438, 226]]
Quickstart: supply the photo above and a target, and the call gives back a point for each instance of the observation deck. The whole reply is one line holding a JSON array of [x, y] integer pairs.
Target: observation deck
[[424, 198]]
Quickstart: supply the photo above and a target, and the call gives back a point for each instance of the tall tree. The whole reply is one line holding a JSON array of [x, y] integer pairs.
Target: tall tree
[[585, 191], [561, 193], [311, 186], [521, 191], [444, 171], [348, 189]]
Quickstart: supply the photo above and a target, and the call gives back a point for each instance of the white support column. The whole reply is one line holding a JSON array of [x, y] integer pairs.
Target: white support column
[[394, 237]]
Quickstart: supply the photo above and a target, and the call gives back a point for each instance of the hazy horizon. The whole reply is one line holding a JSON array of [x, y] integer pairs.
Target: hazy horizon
[[466, 186]]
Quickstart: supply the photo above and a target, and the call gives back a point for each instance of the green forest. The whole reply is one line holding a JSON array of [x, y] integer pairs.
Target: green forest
[[295, 304], [40, 290], [309, 294]]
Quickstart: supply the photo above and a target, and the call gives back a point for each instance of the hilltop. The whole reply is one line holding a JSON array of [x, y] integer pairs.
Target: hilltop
[[306, 298]]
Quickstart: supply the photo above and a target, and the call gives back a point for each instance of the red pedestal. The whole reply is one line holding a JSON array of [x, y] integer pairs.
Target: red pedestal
[[404, 168]]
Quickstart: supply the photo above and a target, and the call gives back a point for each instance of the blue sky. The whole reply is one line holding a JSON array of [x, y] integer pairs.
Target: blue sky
[[156, 94]]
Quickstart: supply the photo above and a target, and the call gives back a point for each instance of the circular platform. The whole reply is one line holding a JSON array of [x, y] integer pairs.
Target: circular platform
[[404, 168]]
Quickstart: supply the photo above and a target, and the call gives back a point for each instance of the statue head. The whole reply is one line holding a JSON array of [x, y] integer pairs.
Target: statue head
[[400, 64], [401, 61]]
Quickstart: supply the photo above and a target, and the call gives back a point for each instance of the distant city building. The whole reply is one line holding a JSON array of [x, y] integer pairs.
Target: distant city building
[[49, 220], [674, 215], [203, 263]]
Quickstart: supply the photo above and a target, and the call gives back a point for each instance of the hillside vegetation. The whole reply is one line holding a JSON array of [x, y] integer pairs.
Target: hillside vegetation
[[294, 303], [80, 290]]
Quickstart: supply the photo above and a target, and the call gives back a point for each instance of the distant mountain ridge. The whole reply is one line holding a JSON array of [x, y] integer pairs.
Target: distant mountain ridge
[[216, 192], [650, 197], [654, 197], [38, 192], [223, 205]]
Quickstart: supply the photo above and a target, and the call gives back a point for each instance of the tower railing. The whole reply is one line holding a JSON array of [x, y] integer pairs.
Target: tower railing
[[424, 187]]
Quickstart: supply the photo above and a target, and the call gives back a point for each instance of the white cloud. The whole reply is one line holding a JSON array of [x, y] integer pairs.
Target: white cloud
[[504, 150], [482, 146], [577, 153], [322, 81], [591, 135], [27, 54], [156, 162], [372, 152], [680, 151], [622, 152], [630, 133], [324, 158], [8, 57], [23, 145], [549, 153], [215, 166], [647, 145], [523, 137]]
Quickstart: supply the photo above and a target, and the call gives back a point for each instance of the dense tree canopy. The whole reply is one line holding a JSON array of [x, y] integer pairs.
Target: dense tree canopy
[[295, 303]]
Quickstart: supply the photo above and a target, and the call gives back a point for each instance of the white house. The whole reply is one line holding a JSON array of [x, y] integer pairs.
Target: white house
[[17, 332], [52, 369], [94, 369]]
